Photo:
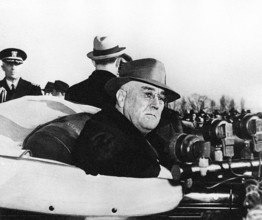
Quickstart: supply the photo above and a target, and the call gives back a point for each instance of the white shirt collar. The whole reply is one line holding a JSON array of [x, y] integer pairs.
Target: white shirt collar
[[15, 82]]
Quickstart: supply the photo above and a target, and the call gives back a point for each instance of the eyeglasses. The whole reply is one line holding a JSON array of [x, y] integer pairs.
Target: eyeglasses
[[150, 96]]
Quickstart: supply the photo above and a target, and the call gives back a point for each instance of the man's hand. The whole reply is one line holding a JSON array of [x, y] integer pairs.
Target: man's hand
[[3, 94]]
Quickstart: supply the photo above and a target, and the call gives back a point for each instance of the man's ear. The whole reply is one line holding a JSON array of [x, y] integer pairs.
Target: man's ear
[[120, 97], [118, 61], [94, 63]]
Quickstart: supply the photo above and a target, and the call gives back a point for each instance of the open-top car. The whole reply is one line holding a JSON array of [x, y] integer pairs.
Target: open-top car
[[37, 175]]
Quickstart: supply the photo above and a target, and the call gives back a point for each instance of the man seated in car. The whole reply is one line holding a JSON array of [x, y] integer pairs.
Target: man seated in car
[[114, 141]]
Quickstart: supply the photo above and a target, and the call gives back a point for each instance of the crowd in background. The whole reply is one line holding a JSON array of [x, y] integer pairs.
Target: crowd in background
[[201, 117], [57, 88]]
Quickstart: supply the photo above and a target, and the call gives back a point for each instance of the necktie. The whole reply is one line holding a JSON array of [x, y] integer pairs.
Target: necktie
[[13, 87]]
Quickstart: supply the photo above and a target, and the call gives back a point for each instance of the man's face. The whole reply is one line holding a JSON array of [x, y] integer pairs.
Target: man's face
[[12, 70], [143, 105]]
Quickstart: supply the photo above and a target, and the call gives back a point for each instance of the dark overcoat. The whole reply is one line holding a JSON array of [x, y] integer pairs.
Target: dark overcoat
[[23, 88], [110, 144], [91, 91]]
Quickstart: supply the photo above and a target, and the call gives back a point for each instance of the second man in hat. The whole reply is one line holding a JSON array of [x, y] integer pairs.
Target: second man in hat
[[106, 57]]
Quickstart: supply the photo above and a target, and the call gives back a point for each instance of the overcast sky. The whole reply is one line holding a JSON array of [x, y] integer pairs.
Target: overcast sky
[[209, 47]]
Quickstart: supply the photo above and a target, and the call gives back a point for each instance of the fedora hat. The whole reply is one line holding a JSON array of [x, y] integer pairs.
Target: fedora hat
[[105, 47], [124, 59], [150, 71], [13, 55]]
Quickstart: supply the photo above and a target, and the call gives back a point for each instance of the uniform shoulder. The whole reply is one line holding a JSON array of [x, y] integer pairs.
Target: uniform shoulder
[[26, 82]]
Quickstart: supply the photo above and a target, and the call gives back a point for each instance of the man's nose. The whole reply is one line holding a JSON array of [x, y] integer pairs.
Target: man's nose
[[155, 102]]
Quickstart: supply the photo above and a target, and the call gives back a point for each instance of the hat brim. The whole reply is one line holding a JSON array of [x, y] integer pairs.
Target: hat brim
[[13, 60], [119, 52], [7, 54], [114, 84]]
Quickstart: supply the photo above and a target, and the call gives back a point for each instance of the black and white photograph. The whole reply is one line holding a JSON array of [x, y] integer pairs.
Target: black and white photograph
[[130, 109]]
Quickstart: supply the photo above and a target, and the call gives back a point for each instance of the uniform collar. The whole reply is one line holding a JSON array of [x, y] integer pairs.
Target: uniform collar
[[9, 83]]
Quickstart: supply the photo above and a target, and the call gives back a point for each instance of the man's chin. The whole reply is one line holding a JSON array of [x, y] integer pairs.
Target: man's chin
[[13, 77], [151, 126]]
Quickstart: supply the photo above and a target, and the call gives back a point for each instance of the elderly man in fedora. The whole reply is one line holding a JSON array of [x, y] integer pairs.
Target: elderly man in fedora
[[114, 141], [106, 57], [13, 86]]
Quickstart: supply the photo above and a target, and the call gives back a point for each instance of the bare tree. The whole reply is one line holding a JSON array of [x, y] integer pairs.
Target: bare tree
[[224, 103], [180, 105], [232, 104], [242, 104], [212, 105], [198, 102], [183, 105]]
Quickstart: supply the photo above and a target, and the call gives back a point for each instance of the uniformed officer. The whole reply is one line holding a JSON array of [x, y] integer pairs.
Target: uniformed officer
[[13, 86]]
